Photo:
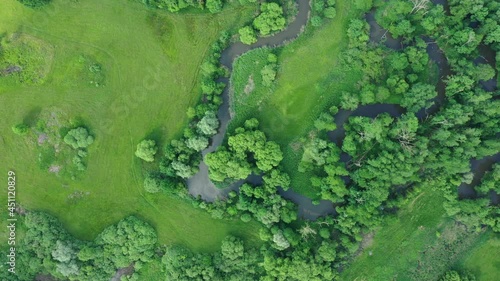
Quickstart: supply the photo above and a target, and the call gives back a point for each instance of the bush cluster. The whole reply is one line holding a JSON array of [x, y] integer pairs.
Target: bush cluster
[[269, 20], [213, 6], [322, 9]]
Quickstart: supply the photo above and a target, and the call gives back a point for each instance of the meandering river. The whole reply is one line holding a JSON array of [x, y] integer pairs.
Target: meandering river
[[201, 185]]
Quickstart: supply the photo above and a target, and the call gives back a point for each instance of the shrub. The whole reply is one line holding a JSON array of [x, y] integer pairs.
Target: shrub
[[325, 122], [247, 35], [191, 113], [152, 184], [333, 110], [272, 58], [316, 21], [34, 3], [20, 129], [82, 153], [78, 138], [324, 233], [330, 12], [246, 217], [268, 73], [78, 162], [214, 6]]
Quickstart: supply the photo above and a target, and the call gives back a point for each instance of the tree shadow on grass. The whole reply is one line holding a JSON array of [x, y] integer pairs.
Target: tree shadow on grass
[[157, 134], [31, 118]]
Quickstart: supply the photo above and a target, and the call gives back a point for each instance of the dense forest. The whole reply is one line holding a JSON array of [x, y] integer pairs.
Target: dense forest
[[368, 173], [390, 157]]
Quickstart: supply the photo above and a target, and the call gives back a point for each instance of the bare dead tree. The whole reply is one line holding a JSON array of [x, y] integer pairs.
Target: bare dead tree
[[360, 200], [472, 36], [323, 223], [419, 5], [406, 140], [306, 231]]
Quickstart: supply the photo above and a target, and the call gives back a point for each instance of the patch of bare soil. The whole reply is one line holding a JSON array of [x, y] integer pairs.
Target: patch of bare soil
[[296, 145], [10, 69], [55, 169], [43, 277], [250, 86], [123, 271], [365, 243]]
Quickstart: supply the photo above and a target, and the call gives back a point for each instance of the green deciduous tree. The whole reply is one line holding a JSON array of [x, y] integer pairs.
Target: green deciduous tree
[[330, 12], [197, 143], [131, 240], [247, 35], [234, 163], [418, 97], [78, 138], [152, 184], [20, 129], [349, 101], [214, 6], [208, 124], [146, 150], [270, 19], [316, 21], [268, 74]]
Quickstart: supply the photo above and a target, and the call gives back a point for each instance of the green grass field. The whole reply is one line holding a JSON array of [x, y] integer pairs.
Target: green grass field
[[482, 260], [422, 241], [395, 246], [151, 61]]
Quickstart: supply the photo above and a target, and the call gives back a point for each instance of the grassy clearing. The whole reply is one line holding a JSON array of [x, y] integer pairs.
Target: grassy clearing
[[396, 245], [246, 84], [310, 79], [30, 55], [483, 260], [150, 60], [420, 243], [152, 271]]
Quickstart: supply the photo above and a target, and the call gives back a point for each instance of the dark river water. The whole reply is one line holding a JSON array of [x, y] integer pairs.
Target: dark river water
[[200, 184]]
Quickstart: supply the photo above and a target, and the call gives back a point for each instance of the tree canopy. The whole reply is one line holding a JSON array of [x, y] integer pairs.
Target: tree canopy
[[78, 138], [146, 150]]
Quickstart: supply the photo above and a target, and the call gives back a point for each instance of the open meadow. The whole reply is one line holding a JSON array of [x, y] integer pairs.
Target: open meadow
[[421, 242], [150, 62]]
